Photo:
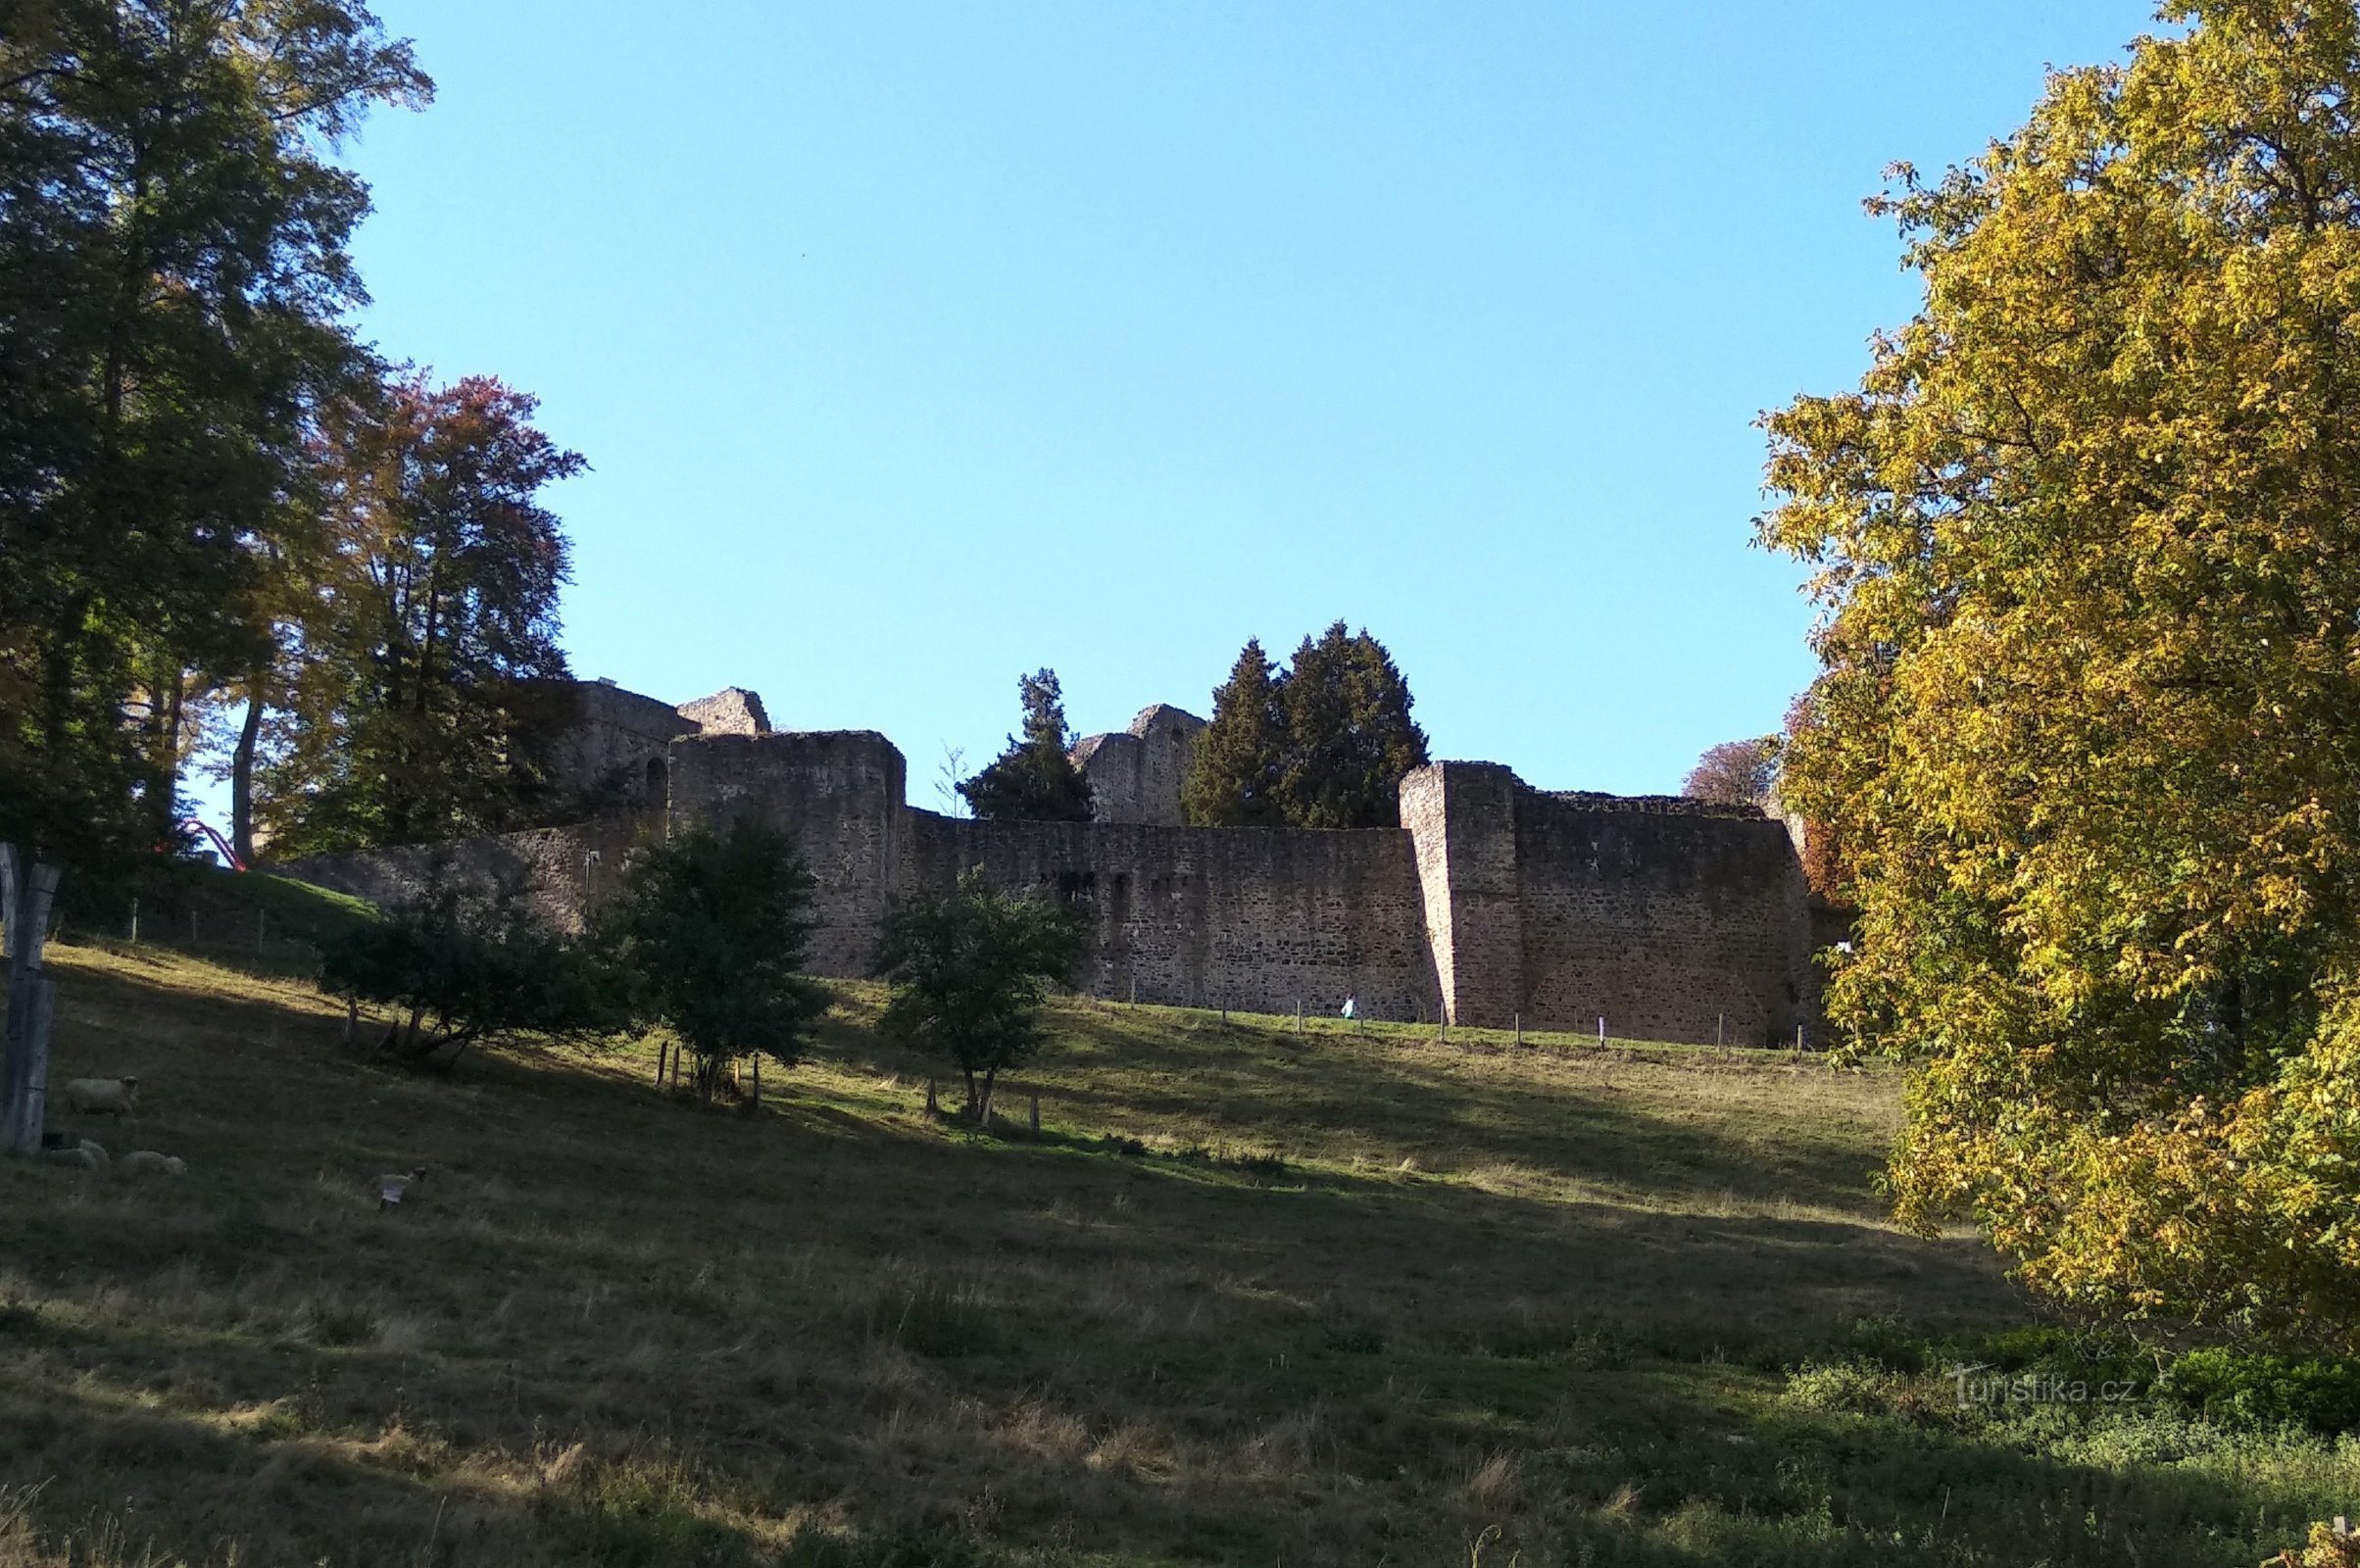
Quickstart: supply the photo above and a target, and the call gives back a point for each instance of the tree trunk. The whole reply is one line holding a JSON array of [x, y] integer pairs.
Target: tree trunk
[[241, 774], [983, 1118], [971, 1109], [31, 1003], [757, 1082]]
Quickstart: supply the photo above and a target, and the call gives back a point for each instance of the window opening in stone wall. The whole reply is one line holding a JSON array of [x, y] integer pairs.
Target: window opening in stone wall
[[659, 786], [1076, 885]]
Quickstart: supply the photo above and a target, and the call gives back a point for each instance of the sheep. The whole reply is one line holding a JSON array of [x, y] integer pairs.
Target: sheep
[[84, 1156], [148, 1163], [103, 1097], [391, 1190]]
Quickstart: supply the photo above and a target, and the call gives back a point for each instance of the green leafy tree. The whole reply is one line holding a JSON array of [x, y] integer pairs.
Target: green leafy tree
[[455, 976], [1736, 772], [425, 689], [969, 971], [1234, 781], [1034, 780], [2088, 542], [174, 292], [710, 929]]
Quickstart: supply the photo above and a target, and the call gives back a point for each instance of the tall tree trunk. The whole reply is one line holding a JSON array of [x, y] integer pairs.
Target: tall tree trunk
[[241, 773]]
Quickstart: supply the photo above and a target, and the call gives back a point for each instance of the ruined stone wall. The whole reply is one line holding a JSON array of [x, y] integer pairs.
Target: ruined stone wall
[[838, 792], [1461, 817], [731, 711], [1251, 918], [559, 871], [1674, 920], [1137, 775], [614, 756]]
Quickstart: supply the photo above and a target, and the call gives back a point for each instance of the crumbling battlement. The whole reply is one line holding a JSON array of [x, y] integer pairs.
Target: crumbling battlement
[[1492, 902], [1137, 775]]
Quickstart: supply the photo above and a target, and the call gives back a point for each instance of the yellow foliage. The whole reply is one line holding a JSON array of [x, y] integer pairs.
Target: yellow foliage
[[2087, 543]]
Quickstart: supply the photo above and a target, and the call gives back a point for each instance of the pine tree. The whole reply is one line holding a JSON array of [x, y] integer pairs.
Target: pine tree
[[1234, 781], [1034, 780], [1350, 737]]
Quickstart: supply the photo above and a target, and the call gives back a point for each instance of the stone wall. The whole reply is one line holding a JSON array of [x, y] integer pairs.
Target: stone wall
[[731, 711], [1137, 776], [1673, 919], [614, 756], [559, 871], [840, 793], [1254, 918], [1494, 901]]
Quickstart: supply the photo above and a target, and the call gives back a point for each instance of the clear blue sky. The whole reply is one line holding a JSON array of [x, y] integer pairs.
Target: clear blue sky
[[913, 346]]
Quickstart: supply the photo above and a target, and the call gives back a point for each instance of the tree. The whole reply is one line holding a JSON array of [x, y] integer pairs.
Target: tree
[[1321, 743], [174, 290], [426, 687], [1034, 780], [710, 930], [455, 976], [1736, 772], [1349, 736], [2087, 543], [969, 971], [1234, 781]]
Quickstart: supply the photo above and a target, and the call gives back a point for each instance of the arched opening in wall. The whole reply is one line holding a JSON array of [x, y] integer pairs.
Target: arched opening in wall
[[657, 793]]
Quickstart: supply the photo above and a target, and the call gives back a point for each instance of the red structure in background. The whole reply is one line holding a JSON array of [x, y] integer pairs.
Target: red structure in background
[[229, 856]]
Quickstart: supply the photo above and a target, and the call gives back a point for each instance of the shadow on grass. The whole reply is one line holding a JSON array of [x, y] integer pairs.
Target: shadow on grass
[[914, 1333]]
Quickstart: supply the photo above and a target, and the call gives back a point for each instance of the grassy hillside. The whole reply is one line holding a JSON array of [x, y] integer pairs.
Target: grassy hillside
[[1249, 1298]]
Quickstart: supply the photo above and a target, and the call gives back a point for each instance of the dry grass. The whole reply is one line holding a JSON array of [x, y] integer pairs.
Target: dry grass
[[1251, 1298]]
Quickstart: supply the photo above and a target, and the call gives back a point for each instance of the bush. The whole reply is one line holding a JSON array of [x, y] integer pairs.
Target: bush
[[450, 982]]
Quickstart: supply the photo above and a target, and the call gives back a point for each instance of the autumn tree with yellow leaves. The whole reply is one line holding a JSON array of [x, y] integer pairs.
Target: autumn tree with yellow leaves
[[2087, 541]]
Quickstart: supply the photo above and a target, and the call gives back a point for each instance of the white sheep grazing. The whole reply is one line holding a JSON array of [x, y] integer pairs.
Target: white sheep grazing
[[391, 1190], [103, 1097], [147, 1162], [84, 1156]]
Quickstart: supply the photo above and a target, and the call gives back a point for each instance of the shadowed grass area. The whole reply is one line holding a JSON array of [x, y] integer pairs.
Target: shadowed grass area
[[1249, 1297]]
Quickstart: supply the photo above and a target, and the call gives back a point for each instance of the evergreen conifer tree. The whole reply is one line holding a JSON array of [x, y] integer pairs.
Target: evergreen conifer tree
[[1234, 780], [1034, 780], [1350, 737]]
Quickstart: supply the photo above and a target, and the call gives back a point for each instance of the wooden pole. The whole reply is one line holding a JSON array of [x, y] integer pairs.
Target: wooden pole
[[1601, 1030], [1036, 1113], [1519, 1029], [32, 1005], [28, 1024], [134, 922], [934, 1106], [757, 1082], [261, 919], [1720, 1029], [352, 1017], [1299, 1016]]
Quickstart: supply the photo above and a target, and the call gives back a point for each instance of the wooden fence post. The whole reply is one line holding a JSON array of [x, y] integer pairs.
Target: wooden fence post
[[934, 1106], [1036, 1113], [31, 1005]]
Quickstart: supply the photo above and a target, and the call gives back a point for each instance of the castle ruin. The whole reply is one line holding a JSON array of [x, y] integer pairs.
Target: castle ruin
[[1492, 902]]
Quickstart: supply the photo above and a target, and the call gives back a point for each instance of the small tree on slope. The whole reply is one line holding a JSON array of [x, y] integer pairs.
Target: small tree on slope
[[969, 971], [709, 932]]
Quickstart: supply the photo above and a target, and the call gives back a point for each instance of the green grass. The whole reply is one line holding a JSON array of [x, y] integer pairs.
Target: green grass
[[1250, 1297]]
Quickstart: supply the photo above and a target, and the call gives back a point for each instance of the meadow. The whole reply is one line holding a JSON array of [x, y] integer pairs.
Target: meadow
[[1248, 1296]]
